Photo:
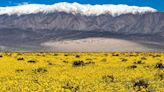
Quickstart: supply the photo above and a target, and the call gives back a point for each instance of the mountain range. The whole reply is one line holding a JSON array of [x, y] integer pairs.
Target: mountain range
[[29, 27]]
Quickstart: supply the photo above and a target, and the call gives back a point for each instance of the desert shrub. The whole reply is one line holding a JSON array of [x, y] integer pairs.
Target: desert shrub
[[77, 56], [147, 66], [65, 55], [115, 55], [72, 87], [159, 66], [50, 63], [1, 56], [132, 66], [55, 54], [88, 59], [143, 58], [108, 78], [90, 62], [31, 61], [19, 70], [106, 54], [140, 84], [139, 62], [155, 56], [78, 63], [82, 63], [19, 59], [124, 60], [38, 55], [65, 61], [19, 54], [104, 60], [131, 55], [40, 70], [159, 76]]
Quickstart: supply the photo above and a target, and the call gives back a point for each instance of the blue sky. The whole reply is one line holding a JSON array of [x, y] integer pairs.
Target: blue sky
[[157, 4]]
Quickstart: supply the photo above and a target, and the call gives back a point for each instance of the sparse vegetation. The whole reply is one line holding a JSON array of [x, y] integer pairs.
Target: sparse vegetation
[[31, 61], [108, 78], [19, 70], [139, 62], [40, 70], [140, 85], [78, 63], [159, 66], [132, 66], [71, 87], [19, 59]]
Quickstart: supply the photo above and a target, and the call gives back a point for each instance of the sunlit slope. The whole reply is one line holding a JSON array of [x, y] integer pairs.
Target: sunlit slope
[[81, 72]]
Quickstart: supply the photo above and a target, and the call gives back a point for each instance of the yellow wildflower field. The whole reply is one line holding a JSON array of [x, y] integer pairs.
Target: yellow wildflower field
[[82, 72]]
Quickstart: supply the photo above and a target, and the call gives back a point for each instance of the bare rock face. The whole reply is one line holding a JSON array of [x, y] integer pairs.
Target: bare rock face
[[149, 23]]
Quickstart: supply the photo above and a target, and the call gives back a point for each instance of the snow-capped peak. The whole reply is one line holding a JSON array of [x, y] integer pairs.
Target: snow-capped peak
[[75, 8]]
